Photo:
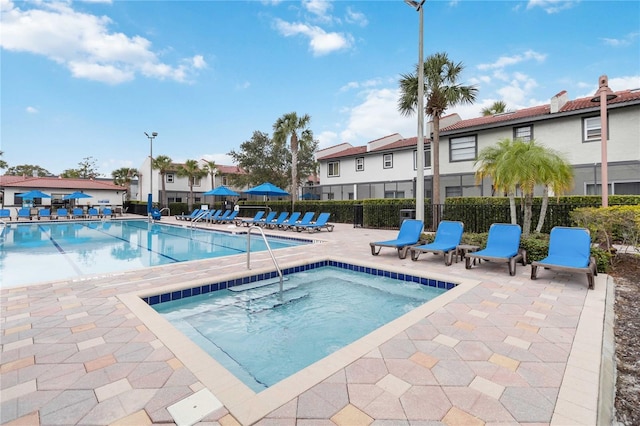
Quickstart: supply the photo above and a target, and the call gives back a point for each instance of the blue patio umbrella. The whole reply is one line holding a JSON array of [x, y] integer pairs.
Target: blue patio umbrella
[[76, 195], [222, 191], [30, 195], [267, 188]]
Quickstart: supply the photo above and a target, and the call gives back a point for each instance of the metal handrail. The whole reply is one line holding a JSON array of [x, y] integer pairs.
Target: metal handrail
[[198, 217], [264, 237]]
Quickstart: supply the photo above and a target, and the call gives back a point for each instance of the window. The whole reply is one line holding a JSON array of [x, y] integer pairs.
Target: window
[[197, 182], [170, 177], [333, 169], [225, 181], [592, 129], [453, 191], [393, 194], [427, 158], [524, 133], [387, 161], [359, 164], [463, 149]]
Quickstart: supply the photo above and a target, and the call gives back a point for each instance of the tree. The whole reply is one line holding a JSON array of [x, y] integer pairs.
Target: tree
[[123, 177], [262, 160], [86, 170], [516, 163], [191, 170], [28, 170], [292, 127], [163, 164], [441, 91], [498, 107], [210, 168], [3, 164]]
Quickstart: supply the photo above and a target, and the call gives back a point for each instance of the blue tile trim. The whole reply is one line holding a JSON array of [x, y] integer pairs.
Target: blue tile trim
[[208, 288]]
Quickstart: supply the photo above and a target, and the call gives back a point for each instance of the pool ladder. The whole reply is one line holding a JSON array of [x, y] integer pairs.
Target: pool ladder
[[264, 237], [198, 217]]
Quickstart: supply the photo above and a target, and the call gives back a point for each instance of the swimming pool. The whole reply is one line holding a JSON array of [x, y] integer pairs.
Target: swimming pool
[[48, 251], [321, 310]]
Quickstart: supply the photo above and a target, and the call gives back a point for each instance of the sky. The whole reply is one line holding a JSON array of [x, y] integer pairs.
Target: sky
[[87, 79]]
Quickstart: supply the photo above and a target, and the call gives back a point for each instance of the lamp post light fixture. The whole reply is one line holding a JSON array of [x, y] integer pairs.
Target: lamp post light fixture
[[150, 198], [417, 5], [603, 95]]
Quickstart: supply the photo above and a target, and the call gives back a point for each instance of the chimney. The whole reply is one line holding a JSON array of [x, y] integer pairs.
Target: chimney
[[558, 101]]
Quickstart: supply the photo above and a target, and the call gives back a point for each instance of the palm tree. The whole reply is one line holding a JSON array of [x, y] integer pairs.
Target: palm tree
[[163, 164], [557, 176], [525, 164], [293, 127], [123, 177], [191, 169], [3, 164], [210, 168], [441, 91], [490, 161], [498, 107]]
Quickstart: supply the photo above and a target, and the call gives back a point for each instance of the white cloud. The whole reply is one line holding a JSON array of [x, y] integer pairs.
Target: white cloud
[[327, 138], [377, 116], [84, 44], [320, 8], [32, 110], [355, 17], [621, 42], [505, 61], [320, 42], [551, 6]]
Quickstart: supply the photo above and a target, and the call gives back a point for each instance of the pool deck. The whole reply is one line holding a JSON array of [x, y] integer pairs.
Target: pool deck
[[497, 350]]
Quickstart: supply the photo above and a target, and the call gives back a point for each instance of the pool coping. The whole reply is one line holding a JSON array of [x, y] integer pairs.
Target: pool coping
[[243, 403]]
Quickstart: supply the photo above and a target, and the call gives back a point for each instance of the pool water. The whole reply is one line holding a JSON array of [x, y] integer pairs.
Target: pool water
[[263, 335], [37, 252]]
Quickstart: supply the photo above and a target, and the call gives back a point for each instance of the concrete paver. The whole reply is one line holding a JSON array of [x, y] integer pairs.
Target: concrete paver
[[508, 350]]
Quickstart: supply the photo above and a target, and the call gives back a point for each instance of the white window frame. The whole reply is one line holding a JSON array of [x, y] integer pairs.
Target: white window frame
[[170, 177], [387, 161], [333, 169], [427, 158], [527, 130], [463, 148], [359, 164], [592, 129]]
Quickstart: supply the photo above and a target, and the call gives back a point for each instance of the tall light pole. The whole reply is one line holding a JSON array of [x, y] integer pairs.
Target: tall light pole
[[417, 5], [150, 197], [603, 95]]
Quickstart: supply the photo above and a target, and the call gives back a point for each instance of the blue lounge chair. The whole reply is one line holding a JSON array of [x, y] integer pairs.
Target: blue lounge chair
[[204, 216], [93, 213], [5, 214], [44, 213], [448, 236], [409, 235], [62, 212], [24, 213], [193, 214], [279, 220], [77, 212], [249, 222], [318, 225], [503, 245], [306, 220], [108, 212], [230, 218], [291, 221], [270, 217], [569, 250], [222, 216], [213, 217]]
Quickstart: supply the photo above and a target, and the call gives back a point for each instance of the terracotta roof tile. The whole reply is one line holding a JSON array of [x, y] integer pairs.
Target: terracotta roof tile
[[56, 182], [356, 150]]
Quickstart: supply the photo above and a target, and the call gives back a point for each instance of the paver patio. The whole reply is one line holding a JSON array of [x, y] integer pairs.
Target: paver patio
[[501, 350]]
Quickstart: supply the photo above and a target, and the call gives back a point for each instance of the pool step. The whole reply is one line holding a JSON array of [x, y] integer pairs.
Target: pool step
[[257, 284]]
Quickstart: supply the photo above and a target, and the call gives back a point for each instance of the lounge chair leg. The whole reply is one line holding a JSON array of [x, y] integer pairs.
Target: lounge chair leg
[[448, 258], [373, 250], [415, 254], [512, 267], [402, 252], [534, 272], [467, 262], [590, 281]]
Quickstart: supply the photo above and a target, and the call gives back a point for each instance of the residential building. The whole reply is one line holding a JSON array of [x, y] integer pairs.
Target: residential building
[[102, 192], [386, 167], [177, 187]]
